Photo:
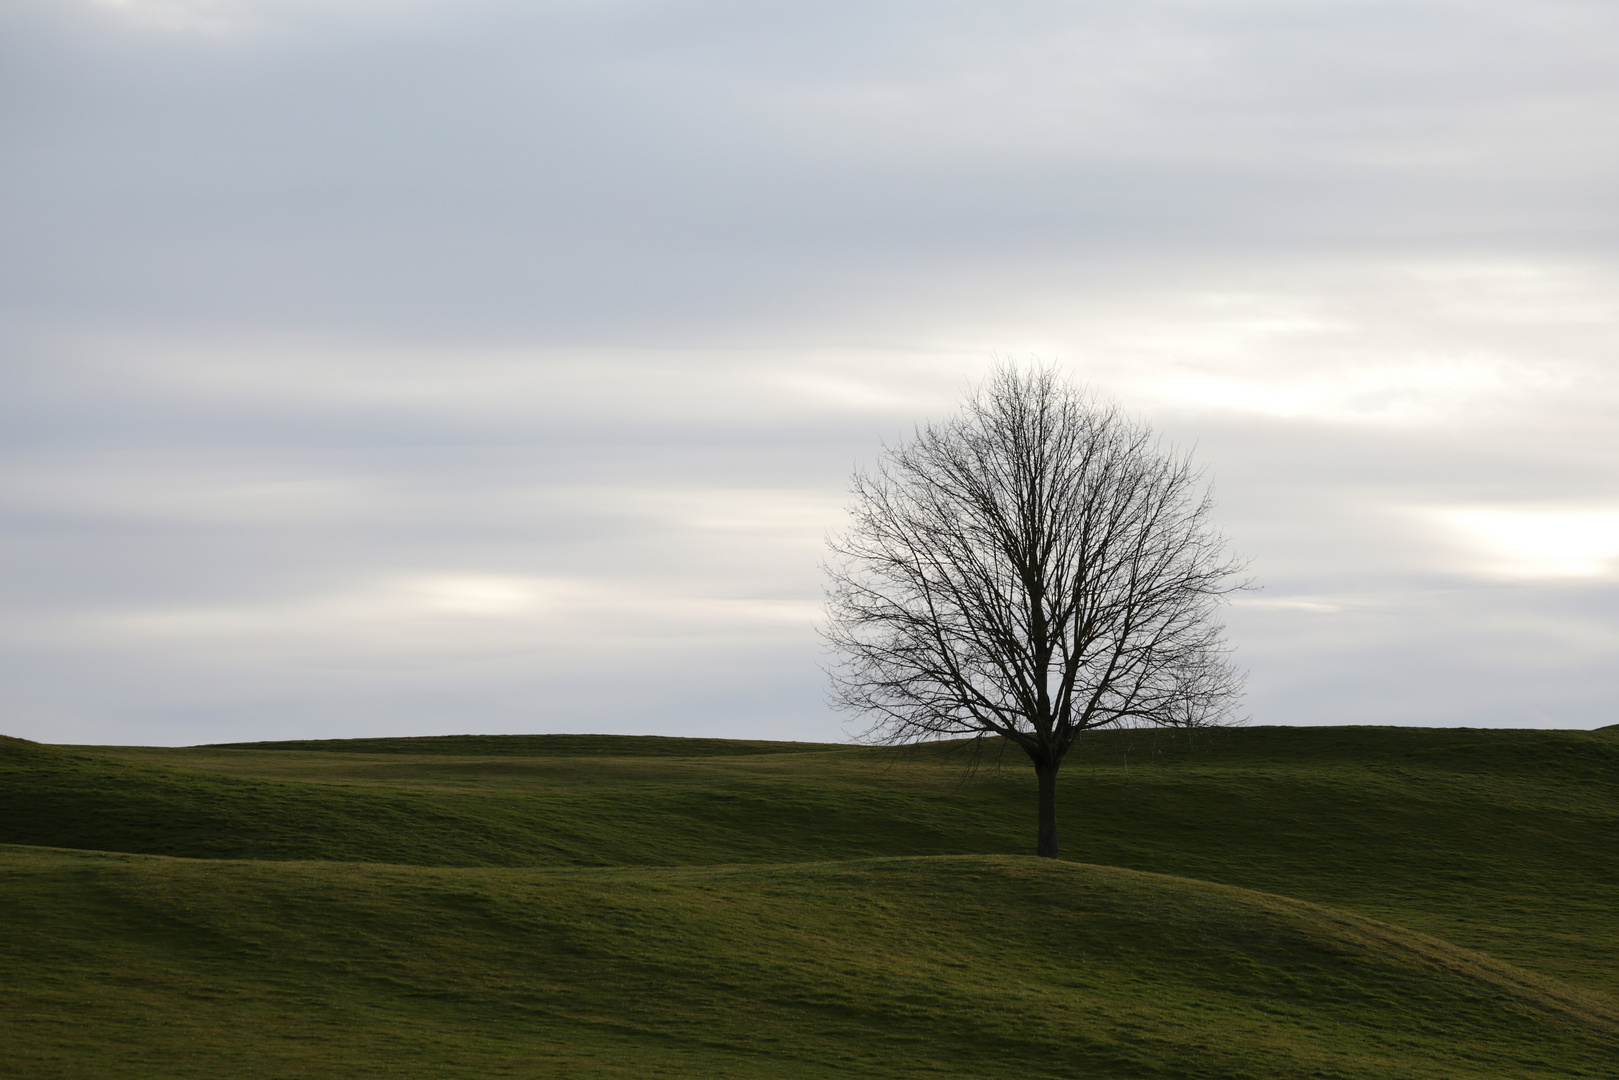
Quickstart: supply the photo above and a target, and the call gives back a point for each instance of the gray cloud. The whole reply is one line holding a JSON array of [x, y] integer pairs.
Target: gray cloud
[[422, 366], [558, 169]]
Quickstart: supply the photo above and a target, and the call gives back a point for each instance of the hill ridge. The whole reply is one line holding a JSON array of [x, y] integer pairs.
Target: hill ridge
[[558, 744]]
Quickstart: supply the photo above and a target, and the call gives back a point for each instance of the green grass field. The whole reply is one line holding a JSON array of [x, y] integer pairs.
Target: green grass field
[[1260, 902]]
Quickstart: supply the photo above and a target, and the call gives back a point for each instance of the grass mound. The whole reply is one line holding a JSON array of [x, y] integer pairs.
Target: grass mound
[[503, 809], [67, 798], [971, 966]]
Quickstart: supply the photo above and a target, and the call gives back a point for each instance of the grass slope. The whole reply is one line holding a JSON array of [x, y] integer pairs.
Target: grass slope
[[965, 966], [559, 910]]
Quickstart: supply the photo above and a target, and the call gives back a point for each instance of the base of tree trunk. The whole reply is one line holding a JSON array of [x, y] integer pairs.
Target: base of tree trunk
[[1047, 846]]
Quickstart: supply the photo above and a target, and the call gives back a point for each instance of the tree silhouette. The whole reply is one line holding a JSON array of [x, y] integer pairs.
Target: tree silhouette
[[1034, 567]]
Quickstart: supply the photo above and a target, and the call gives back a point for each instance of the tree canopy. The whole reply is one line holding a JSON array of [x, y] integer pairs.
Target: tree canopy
[[1034, 567]]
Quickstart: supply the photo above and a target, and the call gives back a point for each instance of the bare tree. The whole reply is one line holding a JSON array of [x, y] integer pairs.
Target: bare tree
[[1034, 567]]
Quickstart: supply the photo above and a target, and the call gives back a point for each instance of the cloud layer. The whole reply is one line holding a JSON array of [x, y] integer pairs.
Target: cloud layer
[[417, 367]]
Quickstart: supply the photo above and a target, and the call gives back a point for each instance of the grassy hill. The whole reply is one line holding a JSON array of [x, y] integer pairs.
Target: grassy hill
[[1348, 902]]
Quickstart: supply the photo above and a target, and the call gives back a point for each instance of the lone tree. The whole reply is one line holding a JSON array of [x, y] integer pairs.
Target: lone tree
[[1034, 567]]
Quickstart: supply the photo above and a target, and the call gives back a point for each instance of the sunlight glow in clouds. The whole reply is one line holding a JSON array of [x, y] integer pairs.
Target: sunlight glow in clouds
[[437, 612], [1354, 393], [1539, 543], [464, 595]]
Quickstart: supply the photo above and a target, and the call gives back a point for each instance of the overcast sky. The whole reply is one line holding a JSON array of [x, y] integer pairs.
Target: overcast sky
[[416, 366]]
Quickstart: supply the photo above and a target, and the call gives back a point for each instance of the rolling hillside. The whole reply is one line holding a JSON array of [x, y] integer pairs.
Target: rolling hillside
[[1260, 902]]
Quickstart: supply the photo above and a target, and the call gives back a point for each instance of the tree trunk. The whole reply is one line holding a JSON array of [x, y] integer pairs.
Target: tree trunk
[[1047, 847]]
